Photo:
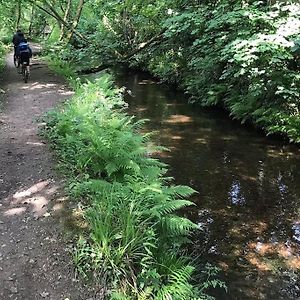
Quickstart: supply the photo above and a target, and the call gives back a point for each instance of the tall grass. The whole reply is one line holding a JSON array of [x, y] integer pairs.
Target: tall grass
[[133, 244]]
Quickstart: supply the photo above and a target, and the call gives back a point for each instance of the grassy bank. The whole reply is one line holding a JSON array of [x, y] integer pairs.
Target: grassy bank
[[133, 238]]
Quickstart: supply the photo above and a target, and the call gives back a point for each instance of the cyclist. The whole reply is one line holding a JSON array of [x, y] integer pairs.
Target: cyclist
[[24, 53]]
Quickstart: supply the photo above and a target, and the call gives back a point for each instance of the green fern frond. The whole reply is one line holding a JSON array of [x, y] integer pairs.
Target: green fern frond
[[176, 225], [182, 275], [182, 191], [170, 207]]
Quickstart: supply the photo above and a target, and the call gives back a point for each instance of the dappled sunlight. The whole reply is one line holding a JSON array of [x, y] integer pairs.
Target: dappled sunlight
[[58, 207], [270, 256], [39, 199], [141, 109], [147, 81], [39, 204], [240, 230], [47, 88], [258, 263], [274, 153], [39, 86], [294, 263], [203, 141], [178, 119], [176, 137], [248, 177], [35, 143], [14, 211], [32, 190], [66, 92]]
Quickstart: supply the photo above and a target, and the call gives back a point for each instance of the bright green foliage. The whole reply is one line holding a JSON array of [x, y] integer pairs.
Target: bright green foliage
[[242, 55], [239, 56], [133, 245]]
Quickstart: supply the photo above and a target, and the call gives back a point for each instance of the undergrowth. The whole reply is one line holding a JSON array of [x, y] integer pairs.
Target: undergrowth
[[133, 243]]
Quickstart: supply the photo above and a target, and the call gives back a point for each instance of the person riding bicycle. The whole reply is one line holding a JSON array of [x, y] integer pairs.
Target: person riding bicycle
[[23, 52]]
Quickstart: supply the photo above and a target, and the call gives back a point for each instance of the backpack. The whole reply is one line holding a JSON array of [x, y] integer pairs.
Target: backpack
[[23, 47]]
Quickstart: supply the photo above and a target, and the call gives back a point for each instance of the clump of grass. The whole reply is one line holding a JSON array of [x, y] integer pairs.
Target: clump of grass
[[133, 244]]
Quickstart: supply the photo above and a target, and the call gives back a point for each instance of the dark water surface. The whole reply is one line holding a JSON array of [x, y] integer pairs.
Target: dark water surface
[[249, 189]]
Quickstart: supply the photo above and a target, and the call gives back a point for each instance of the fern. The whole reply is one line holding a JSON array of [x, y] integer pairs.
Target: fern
[[170, 207], [181, 191], [175, 225]]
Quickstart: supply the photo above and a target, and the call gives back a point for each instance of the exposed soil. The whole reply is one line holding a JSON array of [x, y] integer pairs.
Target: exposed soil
[[35, 255]]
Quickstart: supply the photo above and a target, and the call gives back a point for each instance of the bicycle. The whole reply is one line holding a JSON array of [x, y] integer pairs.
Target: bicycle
[[25, 71]]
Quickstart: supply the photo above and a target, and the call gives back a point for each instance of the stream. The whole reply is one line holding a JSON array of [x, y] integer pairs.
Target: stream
[[248, 189]]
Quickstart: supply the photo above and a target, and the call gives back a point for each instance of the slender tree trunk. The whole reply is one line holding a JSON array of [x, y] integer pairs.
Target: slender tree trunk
[[18, 14], [66, 18], [31, 21], [76, 19]]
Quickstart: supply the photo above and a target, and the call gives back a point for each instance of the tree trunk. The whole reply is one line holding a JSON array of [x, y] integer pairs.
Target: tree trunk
[[18, 14], [66, 18], [31, 21], [76, 19]]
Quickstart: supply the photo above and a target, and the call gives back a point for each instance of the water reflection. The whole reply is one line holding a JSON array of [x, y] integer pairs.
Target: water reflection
[[235, 194], [249, 199]]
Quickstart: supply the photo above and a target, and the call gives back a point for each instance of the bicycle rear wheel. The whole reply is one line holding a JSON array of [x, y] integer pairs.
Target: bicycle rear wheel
[[26, 75], [25, 72]]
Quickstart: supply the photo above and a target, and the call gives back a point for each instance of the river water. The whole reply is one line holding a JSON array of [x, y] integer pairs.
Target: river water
[[248, 189]]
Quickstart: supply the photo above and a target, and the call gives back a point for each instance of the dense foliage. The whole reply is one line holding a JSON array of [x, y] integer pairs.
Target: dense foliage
[[242, 55], [133, 243]]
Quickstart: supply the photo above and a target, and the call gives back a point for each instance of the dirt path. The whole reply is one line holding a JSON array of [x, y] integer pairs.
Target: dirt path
[[35, 260]]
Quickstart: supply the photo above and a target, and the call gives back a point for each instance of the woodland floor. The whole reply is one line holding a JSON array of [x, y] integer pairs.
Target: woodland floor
[[35, 254]]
